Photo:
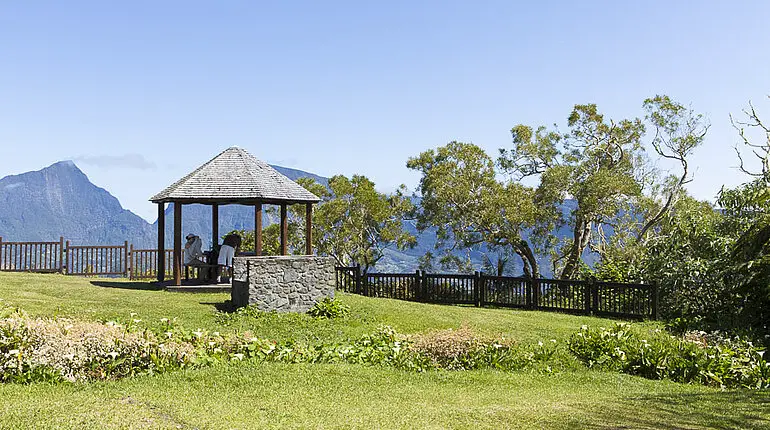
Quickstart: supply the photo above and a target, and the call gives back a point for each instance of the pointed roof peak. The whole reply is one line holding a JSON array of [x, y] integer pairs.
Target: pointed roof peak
[[235, 176]]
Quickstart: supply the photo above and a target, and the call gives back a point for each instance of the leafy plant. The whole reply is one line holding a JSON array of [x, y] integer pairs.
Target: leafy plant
[[329, 308], [723, 362]]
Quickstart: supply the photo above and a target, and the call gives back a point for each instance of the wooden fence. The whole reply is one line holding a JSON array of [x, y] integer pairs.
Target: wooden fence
[[582, 297], [43, 257], [62, 257]]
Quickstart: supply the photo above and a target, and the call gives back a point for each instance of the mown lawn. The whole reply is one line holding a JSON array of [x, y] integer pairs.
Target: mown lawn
[[116, 299], [274, 395]]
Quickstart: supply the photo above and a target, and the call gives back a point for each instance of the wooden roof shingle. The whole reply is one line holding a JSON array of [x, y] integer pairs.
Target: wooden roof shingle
[[235, 176]]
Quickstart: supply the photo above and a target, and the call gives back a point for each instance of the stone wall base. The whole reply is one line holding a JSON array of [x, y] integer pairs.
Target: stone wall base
[[292, 283]]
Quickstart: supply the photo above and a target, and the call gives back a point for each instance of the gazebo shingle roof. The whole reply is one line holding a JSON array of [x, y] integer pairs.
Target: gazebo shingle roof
[[233, 176]]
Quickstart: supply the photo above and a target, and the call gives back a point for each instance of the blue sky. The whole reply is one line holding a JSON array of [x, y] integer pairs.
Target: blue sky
[[138, 93]]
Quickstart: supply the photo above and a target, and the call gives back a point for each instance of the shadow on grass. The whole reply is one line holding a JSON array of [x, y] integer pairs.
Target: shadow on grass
[[147, 286], [226, 306], [736, 409]]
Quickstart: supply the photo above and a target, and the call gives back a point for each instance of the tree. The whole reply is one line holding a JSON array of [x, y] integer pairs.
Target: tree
[[468, 206], [678, 132], [596, 163], [355, 223], [747, 210]]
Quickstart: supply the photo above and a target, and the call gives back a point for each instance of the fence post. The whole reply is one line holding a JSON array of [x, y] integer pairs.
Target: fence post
[[654, 309], [534, 284], [125, 262], [587, 296], [595, 297], [1, 253], [416, 286], [357, 277], [60, 257], [130, 258], [67, 258], [423, 287], [477, 288]]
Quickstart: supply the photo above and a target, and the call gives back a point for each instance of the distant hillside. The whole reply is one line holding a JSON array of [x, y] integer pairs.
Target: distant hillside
[[60, 200]]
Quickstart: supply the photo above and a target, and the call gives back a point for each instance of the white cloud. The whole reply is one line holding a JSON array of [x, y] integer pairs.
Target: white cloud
[[126, 161]]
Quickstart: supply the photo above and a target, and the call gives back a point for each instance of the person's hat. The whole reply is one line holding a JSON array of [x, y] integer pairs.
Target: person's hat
[[190, 236]]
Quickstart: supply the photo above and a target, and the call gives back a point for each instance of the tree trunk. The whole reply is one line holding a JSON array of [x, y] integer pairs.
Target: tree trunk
[[581, 237], [531, 269]]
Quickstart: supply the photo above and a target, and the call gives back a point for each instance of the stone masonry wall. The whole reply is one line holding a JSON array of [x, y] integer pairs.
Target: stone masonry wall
[[291, 283]]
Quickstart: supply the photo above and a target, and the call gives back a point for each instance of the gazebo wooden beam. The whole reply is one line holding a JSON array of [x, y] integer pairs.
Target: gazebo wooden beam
[[177, 244], [309, 228], [214, 225], [284, 230], [161, 242], [258, 228]]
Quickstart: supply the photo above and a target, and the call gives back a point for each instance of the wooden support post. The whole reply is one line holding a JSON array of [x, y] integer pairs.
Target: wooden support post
[[177, 244], [284, 230], [258, 228], [60, 256], [2, 254], [130, 258], [309, 228], [67, 267], [127, 257], [214, 225], [161, 242]]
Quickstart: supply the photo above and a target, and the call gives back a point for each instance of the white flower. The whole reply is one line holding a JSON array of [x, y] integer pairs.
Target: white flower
[[13, 352], [137, 321], [553, 340], [539, 343], [238, 357], [133, 314], [113, 354], [198, 333], [169, 334], [164, 320], [583, 327], [215, 334]]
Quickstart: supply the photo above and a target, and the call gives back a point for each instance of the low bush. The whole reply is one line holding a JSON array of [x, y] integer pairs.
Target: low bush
[[44, 349], [329, 308], [694, 358]]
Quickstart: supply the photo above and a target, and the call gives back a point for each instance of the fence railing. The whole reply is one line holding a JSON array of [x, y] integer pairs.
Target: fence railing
[[83, 260], [97, 260], [31, 256], [143, 263], [582, 297]]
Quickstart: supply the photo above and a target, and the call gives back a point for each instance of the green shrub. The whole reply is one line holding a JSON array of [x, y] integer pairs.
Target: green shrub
[[329, 308], [726, 363]]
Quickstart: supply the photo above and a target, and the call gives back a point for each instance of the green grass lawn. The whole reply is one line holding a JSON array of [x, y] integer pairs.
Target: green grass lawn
[[273, 395]]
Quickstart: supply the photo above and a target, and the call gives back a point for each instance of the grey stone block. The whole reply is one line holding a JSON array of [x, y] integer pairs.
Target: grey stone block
[[284, 284]]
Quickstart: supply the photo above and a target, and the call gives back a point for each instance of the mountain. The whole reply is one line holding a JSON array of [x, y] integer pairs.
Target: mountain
[[60, 200]]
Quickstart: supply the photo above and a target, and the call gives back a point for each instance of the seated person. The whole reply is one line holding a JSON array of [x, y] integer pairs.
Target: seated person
[[193, 254], [227, 251]]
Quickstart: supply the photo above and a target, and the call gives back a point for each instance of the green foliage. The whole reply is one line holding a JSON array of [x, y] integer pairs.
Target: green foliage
[[726, 363], [465, 202], [329, 308], [596, 163], [356, 223]]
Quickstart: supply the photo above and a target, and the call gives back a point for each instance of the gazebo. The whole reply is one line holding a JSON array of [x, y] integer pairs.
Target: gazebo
[[232, 177]]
